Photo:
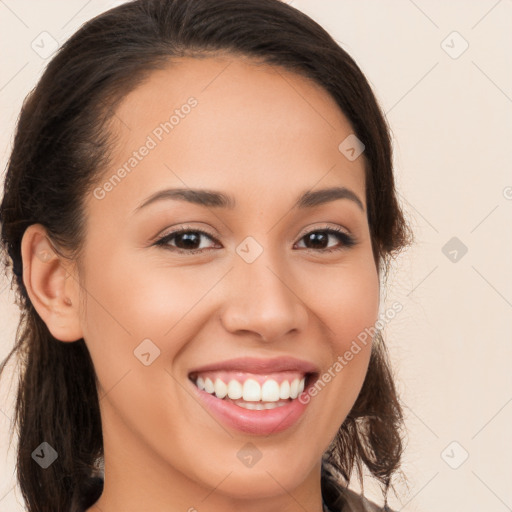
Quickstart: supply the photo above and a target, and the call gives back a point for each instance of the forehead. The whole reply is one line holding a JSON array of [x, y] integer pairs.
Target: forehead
[[229, 123], [234, 82]]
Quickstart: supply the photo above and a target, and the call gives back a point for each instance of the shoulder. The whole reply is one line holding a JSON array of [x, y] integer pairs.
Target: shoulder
[[358, 503]]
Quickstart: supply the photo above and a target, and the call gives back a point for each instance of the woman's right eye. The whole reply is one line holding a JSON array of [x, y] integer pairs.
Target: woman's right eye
[[187, 238]]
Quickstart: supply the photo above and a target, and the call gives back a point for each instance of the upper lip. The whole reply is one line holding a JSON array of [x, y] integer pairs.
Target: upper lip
[[260, 365]]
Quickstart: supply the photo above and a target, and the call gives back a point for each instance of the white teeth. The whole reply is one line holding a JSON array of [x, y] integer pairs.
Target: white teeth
[[234, 389], [294, 388], [252, 391], [208, 385], [258, 407], [272, 405], [270, 391], [221, 390], [284, 390]]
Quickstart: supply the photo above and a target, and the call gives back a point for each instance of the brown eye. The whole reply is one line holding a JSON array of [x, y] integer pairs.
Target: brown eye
[[319, 239], [185, 240]]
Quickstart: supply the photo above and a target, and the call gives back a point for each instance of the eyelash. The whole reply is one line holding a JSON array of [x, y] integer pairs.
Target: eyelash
[[347, 240]]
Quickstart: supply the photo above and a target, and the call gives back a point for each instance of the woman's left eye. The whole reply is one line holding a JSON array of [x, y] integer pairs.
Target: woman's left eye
[[189, 240], [319, 236]]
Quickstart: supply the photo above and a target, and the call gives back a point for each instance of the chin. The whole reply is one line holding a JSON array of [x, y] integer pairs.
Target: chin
[[262, 480]]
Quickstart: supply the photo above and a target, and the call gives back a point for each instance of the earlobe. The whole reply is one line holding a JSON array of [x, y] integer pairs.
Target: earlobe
[[52, 289]]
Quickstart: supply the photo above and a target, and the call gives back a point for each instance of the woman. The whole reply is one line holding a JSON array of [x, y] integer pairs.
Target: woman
[[199, 209]]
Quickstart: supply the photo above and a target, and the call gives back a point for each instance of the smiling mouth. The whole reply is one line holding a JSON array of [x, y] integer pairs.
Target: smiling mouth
[[253, 391]]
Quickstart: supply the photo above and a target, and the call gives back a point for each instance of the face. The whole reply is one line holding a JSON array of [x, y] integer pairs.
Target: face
[[260, 277]]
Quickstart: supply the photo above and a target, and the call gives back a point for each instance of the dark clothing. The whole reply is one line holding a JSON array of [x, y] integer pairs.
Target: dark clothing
[[339, 498]]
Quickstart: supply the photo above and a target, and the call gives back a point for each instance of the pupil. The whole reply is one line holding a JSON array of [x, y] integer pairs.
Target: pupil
[[317, 237], [190, 243]]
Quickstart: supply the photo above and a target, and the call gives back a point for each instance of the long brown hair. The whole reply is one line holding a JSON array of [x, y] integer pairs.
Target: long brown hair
[[62, 146]]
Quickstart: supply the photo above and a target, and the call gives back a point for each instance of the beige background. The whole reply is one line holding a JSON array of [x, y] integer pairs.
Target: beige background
[[452, 125]]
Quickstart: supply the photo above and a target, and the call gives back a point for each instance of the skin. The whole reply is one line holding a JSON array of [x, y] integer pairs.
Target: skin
[[263, 135]]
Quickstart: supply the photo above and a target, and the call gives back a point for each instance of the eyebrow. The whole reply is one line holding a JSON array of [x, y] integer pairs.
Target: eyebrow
[[215, 199]]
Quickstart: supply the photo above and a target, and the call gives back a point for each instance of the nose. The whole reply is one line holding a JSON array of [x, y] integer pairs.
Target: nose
[[261, 300]]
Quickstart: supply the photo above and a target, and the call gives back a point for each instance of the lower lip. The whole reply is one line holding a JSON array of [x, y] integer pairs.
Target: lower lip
[[265, 422]]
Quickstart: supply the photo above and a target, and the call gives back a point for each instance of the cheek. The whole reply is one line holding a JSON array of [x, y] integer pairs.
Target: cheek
[[345, 299], [130, 300]]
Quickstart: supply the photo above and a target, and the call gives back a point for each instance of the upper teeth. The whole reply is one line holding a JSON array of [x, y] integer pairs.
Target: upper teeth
[[251, 390]]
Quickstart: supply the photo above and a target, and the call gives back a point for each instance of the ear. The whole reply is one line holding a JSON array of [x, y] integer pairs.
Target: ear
[[52, 289]]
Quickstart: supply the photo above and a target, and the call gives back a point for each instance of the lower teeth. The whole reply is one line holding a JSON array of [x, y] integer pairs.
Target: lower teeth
[[257, 406]]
